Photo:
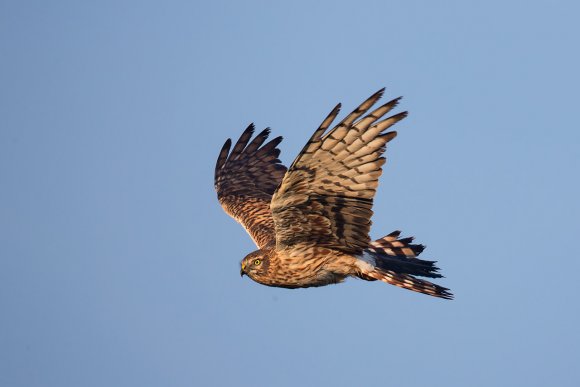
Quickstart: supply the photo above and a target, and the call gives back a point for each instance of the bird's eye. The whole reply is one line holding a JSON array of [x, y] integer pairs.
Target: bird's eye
[[257, 262]]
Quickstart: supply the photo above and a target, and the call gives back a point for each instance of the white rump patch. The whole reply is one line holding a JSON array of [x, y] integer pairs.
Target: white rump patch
[[366, 262]]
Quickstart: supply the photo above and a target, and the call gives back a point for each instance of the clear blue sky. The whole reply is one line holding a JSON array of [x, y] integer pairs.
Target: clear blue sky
[[119, 268]]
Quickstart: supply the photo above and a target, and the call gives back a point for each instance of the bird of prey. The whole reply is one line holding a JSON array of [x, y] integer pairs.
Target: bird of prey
[[311, 221]]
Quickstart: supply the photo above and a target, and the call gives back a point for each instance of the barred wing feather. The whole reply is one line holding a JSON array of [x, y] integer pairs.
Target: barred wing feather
[[326, 196], [245, 180]]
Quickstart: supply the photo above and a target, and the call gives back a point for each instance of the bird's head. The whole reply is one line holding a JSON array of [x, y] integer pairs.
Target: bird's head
[[255, 265]]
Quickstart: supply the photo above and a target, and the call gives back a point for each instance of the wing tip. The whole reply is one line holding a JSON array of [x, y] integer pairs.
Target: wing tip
[[336, 109], [379, 94], [222, 158]]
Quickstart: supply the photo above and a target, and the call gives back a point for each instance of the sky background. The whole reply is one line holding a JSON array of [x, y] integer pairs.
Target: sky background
[[119, 268]]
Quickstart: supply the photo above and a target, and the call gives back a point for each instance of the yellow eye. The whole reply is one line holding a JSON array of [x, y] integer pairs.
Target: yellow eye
[[257, 262]]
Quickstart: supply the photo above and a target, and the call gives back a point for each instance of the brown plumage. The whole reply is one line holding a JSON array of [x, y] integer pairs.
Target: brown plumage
[[311, 222], [245, 180]]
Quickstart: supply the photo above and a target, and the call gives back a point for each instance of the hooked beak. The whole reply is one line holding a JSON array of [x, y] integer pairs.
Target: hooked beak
[[242, 272]]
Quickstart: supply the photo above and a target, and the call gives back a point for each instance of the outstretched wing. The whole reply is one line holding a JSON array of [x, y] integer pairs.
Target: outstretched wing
[[327, 194], [245, 180]]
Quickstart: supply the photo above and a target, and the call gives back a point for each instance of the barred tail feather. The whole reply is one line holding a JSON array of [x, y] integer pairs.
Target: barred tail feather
[[407, 281], [392, 245], [394, 260], [400, 256]]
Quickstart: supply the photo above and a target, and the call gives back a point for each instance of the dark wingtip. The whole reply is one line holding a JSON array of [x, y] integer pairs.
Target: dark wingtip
[[243, 141], [336, 109], [277, 140], [222, 158], [223, 155], [394, 102], [269, 147], [249, 132], [227, 145], [389, 135]]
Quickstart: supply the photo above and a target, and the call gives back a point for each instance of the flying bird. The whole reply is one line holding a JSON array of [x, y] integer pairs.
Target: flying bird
[[311, 221]]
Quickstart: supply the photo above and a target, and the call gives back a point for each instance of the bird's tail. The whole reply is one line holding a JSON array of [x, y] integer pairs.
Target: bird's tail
[[393, 260]]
